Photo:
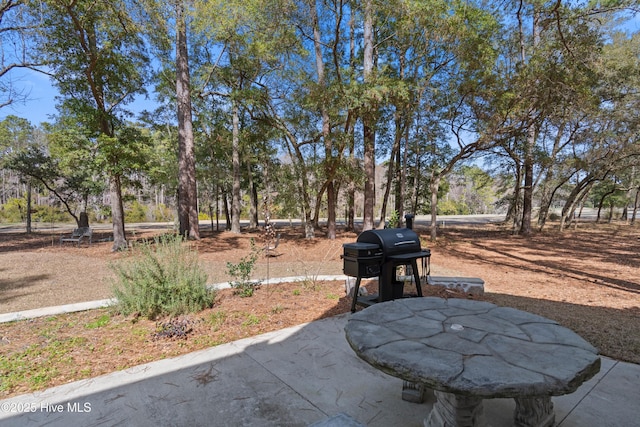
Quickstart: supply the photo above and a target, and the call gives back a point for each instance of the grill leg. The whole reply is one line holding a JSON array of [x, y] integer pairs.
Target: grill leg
[[356, 291], [388, 287], [416, 277]]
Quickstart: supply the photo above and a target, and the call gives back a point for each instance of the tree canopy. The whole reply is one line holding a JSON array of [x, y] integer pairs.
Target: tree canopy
[[333, 109]]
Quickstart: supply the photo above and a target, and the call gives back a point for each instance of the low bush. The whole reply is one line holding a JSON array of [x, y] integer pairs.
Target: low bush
[[394, 220], [135, 212], [14, 210], [162, 213], [165, 278], [241, 272], [50, 214]]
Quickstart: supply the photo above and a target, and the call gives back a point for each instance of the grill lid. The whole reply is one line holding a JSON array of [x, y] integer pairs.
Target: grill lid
[[392, 241]]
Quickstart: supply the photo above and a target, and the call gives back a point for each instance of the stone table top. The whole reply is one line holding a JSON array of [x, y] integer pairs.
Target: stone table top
[[473, 348]]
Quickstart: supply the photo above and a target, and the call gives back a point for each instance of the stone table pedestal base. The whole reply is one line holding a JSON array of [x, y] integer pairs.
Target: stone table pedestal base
[[413, 392], [451, 410], [534, 412]]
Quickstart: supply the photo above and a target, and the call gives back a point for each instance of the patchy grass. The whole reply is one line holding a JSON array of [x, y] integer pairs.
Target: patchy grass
[[99, 322], [45, 352]]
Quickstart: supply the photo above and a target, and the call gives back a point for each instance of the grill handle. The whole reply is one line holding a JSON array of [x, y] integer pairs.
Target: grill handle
[[405, 242]]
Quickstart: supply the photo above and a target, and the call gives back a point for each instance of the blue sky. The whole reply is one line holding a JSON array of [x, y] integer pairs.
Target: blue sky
[[41, 94], [41, 103]]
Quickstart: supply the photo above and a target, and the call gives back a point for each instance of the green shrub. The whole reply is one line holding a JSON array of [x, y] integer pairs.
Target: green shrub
[[164, 279], [50, 214], [101, 213], [394, 220], [162, 213], [136, 212], [14, 210], [241, 272], [452, 207]]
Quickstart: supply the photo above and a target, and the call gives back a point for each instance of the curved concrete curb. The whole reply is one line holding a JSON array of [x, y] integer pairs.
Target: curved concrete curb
[[91, 305], [52, 311], [274, 281]]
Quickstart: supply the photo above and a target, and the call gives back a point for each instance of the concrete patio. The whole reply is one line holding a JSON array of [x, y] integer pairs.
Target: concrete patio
[[293, 377]]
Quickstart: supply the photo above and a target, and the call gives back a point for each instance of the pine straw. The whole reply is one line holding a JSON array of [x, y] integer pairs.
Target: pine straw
[[586, 279]]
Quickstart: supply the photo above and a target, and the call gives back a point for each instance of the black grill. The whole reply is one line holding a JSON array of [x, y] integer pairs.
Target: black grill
[[380, 253]]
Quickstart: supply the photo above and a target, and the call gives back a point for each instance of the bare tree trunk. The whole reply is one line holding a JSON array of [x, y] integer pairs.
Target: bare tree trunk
[[611, 206], [309, 229], [635, 206], [401, 178], [394, 160], [546, 197], [29, 206], [117, 214], [351, 214], [329, 161], [235, 160], [434, 187], [368, 122], [573, 200], [513, 215], [331, 210], [402, 132], [3, 200], [527, 194], [253, 200], [351, 193], [115, 195], [370, 173], [528, 163], [227, 212], [601, 204], [217, 208], [546, 201], [318, 205], [576, 194], [390, 173], [330, 167], [399, 190], [349, 130], [549, 188], [187, 190], [84, 218], [416, 182], [303, 184]]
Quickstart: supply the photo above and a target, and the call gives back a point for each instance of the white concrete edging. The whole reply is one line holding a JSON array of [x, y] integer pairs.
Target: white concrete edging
[[91, 305]]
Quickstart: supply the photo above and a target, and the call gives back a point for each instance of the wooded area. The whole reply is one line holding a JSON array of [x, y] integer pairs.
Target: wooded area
[[291, 109]]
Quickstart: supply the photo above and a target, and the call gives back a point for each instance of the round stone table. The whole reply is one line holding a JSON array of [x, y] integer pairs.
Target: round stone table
[[467, 351]]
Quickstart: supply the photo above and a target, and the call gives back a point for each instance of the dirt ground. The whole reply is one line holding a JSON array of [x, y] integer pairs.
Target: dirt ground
[[588, 279]]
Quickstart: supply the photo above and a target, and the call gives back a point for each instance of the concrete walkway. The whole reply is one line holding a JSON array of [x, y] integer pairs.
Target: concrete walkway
[[293, 377]]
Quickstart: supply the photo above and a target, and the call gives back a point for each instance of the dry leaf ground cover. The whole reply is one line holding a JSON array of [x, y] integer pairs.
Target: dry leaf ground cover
[[587, 278]]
